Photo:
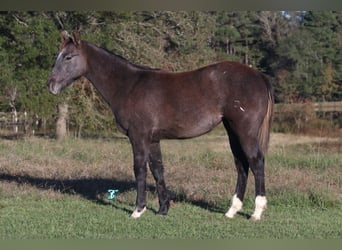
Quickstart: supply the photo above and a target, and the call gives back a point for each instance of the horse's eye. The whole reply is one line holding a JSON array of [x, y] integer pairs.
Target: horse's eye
[[68, 58]]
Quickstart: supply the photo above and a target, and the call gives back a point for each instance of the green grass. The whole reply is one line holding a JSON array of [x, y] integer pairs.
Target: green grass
[[58, 191], [75, 218], [306, 156]]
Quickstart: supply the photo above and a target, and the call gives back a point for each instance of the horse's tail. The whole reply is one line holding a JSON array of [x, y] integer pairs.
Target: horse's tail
[[264, 130]]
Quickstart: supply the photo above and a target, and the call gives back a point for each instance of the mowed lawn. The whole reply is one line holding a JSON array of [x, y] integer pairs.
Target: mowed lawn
[[51, 190]]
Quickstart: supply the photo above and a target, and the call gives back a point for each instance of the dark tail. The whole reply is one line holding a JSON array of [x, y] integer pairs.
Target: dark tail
[[264, 131]]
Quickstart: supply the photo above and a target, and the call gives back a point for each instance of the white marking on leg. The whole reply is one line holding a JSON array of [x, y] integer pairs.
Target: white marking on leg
[[242, 109], [260, 206], [235, 207], [136, 214]]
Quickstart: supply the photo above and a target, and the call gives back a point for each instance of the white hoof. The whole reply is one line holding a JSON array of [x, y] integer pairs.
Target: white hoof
[[235, 207], [260, 206], [136, 214]]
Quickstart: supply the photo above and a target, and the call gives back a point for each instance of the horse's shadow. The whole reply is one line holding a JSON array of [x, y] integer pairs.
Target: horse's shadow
[[94, 188], [89, 188]]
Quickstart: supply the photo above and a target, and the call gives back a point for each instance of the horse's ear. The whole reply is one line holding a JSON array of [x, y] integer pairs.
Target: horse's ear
[[65, 38], [76, 38]]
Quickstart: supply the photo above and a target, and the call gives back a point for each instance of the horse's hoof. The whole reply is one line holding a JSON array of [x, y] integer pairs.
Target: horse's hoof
[[260, 206], [163, 210], [136, 214], [229, 215], [163, 213], [235, 207], [255, 218]]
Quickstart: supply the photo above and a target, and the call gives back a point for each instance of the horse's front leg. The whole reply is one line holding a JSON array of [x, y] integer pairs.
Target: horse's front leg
[[157, 169], [140, 154]]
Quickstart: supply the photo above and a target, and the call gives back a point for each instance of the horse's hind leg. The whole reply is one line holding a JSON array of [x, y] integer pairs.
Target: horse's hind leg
[[255, 158], [157, 169], [247, 154], [242, 167], [257, 167]]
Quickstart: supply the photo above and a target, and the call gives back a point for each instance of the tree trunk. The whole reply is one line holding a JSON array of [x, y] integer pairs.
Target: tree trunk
[[15, 120], [246, 53], [61, 125]]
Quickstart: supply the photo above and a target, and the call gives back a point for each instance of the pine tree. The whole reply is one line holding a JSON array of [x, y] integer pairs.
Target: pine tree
[[310, 53]]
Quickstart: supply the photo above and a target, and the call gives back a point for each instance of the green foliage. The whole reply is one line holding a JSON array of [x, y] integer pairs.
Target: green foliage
[[310, 55], [88, 114], [28, 45]]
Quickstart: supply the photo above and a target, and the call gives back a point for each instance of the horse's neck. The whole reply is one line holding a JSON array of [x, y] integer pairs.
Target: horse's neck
[[109, 74]]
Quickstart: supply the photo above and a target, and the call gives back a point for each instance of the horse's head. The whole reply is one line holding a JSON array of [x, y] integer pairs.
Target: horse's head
[[70, 63]]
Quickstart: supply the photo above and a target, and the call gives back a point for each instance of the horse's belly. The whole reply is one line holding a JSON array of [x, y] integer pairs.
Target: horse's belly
[[190, 127]]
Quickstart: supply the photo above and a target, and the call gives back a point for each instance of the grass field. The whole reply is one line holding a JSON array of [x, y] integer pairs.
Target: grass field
[[51, 190]]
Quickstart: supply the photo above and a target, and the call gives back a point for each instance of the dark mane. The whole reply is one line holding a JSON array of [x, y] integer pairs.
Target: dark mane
[[121, 58]]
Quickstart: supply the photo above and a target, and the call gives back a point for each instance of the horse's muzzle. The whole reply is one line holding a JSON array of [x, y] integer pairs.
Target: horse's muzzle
[[52, 86]]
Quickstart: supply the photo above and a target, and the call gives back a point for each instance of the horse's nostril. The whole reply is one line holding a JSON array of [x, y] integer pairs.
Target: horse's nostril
[[51, 85], [51, 79], [50, 82]]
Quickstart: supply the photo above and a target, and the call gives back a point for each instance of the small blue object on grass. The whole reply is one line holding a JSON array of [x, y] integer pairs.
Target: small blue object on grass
[[112, 194]]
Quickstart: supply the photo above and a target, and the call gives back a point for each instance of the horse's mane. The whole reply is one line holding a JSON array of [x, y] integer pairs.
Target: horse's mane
[[121, 58]]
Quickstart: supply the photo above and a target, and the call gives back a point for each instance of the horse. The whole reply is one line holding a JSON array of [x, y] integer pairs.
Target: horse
[[150, 105]]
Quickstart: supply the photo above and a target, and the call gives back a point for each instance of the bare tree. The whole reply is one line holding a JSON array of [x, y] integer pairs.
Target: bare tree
[[275, 25], [11, 95]]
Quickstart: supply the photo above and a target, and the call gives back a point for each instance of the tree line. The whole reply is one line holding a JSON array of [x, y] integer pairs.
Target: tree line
[[300, 49]]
